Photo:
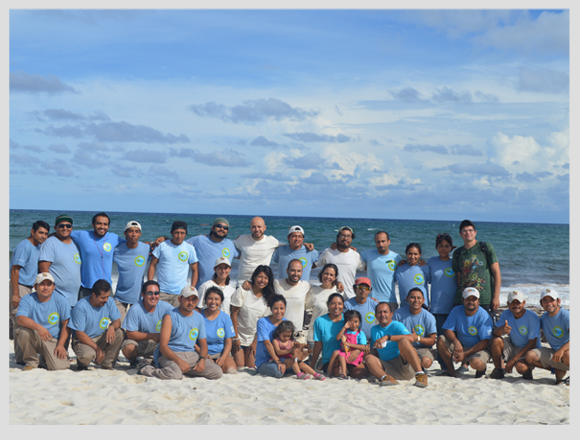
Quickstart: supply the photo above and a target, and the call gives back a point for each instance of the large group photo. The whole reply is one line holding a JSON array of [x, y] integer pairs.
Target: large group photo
[[289, 217]]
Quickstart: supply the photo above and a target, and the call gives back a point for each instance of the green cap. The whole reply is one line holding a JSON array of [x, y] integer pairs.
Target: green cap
[[221, 220], [62, 218]]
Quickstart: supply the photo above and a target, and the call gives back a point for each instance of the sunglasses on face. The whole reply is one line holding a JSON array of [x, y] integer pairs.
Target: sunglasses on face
[[224, 227], [363, 287], [62, 226], [149, 293]]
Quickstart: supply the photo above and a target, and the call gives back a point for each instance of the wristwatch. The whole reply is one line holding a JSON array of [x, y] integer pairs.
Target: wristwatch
[[418, 338]]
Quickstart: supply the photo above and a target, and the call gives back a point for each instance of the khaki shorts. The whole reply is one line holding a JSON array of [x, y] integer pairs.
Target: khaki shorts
[[484, 355], [510, 350], [145, 349], [398, 368], [545, 354], [424, 352]]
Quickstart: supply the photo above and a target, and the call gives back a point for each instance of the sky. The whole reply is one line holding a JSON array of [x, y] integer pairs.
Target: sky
[[436, 114]]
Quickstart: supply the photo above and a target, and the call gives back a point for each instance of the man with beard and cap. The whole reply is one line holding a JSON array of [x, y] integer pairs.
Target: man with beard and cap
[[294, 250]]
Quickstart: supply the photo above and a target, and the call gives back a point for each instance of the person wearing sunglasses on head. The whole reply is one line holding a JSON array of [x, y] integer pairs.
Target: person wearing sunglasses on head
[[143, 325], [60, 256]]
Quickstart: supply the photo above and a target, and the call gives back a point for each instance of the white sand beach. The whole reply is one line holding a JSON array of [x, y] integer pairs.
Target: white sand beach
[[121, 397]]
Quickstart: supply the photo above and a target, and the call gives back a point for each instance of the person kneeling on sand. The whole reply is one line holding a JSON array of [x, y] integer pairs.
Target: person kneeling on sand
[[466, 335], [393, 355], [143, 324], [176, 356], [516, 332], [96, 321], [555, 324], [42, 320]]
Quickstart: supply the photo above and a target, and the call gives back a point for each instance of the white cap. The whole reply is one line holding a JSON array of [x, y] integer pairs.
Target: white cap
[[133, 224], [295, 228], [222, 260], [470, 291], [43, 276], [549, 292], [187, 291], [516, 295]]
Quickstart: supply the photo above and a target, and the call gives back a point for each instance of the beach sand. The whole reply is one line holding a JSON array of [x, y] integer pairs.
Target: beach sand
[[121, 397]]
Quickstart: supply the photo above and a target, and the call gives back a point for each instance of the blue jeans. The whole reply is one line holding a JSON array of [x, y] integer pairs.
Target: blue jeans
[[270, 369]]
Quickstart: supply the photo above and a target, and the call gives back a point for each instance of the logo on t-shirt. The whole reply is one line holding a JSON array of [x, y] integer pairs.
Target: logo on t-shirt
[[558, 332], [303, 261], [419, 279], [182, 256], [523, 330], [226, 252], [139, 261], [158, 326], [104, 323], [77, 258], [391, 265], [419, 329], [221, 333], [193, 334], [449, 272], [370, 317], [53, 318], [472, 330], [107, 247]]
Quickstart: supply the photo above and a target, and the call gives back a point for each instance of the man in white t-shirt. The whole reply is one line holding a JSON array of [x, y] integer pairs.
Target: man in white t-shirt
[[347, 260], [255, 249], [294, 290]]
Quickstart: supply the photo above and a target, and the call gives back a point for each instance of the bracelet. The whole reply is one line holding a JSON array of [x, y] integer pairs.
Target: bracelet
[[236, 339]]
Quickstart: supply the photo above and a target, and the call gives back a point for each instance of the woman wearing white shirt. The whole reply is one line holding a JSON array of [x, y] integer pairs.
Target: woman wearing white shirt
[[318, 296], [247, 306], [220, 279]]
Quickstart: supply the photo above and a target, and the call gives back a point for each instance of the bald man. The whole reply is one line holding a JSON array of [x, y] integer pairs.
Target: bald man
[[255, 249]]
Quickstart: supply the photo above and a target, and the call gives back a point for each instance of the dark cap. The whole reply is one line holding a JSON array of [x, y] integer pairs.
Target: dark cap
[[466, 223], [63, 218], [179, 225]]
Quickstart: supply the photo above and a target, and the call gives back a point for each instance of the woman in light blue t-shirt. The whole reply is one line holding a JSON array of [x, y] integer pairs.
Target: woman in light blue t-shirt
[[443, 280], [411, 274], [219, 331]]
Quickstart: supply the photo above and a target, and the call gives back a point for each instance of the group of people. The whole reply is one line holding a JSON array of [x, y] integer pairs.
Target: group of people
[[189, 318]]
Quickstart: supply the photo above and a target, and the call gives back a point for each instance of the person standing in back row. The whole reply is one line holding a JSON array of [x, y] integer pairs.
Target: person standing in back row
[[476, 265]]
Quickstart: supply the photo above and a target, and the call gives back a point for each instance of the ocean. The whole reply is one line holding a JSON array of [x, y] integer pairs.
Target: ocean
[[532, 256]]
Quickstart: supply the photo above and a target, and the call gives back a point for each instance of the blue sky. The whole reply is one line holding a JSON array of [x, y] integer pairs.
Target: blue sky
[[400, 114]]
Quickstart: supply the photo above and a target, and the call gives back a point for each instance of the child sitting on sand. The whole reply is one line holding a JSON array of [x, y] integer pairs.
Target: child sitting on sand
[[284, 346], [352, 341]]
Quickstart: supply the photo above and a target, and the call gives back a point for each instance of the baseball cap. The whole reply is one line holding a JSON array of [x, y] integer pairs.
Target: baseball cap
[[63, 218], [132, 224], [222, 260], [295, 228], [187, 291], [43, 276], [470, 291], [516, 295], [549, 292], [221, 220], [362, 280]]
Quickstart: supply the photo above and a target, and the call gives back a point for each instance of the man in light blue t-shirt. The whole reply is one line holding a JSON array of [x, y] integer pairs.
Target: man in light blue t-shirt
[[96, 321], [96, 248], [209, 248], [143, 324], [60, 256], [516, 332], [392, 355], [23, 270], [131, 258], [466, 335], [42, 326], [555, 324], [420, 322], [173, 260], [175, 356], [294, 250], [381, 264]]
